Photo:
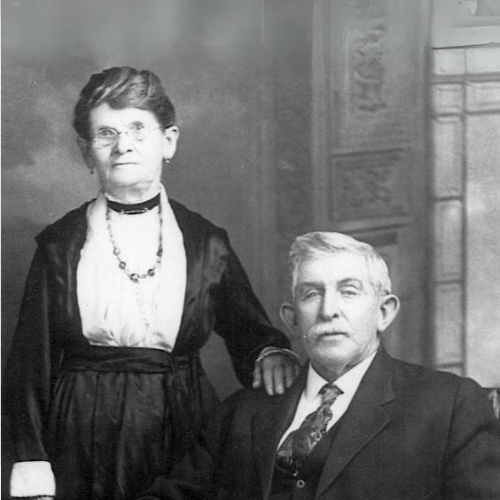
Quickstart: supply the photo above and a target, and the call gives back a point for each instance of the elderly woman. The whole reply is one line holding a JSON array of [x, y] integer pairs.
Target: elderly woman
[[106, 386]]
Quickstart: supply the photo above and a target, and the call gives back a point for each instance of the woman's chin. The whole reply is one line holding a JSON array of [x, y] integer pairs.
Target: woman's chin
[[124, 179]]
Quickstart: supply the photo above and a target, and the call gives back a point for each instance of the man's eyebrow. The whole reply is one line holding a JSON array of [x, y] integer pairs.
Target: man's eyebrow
[[309, 284], [351, 281]]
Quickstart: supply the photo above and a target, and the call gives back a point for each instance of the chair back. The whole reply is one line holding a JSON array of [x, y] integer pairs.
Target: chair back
[[494, 397]]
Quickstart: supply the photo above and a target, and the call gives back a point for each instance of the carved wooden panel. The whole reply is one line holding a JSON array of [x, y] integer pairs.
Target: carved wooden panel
[[348, 139], [367, 102], [368, 143], [371, 44], [368, 186]]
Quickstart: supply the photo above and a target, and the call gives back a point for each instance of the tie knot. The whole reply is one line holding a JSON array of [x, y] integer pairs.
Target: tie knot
[[329, 393]]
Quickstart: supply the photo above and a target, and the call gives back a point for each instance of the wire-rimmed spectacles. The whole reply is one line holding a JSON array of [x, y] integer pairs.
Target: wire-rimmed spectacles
[[108, 136]]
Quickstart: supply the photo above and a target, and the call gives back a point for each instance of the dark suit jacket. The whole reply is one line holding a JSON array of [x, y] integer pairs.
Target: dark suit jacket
[[409, 434]]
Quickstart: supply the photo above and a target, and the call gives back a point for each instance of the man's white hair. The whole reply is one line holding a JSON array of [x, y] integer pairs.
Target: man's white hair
[[322, 244]]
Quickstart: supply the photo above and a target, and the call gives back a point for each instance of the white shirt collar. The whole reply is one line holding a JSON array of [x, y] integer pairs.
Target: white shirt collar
[[348, 382]]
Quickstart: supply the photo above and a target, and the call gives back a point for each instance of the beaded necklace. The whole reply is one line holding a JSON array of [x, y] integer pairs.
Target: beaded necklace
[[136, 278]]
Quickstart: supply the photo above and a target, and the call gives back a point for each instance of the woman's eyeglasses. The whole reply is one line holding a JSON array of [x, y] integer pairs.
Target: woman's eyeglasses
[[109, 136]]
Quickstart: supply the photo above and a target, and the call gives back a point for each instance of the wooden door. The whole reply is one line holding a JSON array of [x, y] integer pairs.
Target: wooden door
[[349, 138]]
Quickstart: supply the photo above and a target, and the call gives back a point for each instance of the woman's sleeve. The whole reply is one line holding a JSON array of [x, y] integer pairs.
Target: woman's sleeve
[[29, 374], [32, 479], [242, 321]]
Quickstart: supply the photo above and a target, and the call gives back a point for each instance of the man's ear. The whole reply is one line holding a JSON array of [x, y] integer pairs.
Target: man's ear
[[84, 146], [289, 317], [389, 307]]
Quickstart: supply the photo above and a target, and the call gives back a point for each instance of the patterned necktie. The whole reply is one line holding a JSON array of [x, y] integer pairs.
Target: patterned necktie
[[299, 443]]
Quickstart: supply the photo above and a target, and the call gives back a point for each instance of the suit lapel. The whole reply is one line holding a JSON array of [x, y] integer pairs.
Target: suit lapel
[[364, 419], [269, 425]]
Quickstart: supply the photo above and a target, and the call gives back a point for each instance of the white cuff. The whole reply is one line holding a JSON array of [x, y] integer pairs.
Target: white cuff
[[277, 350], [32, 479]]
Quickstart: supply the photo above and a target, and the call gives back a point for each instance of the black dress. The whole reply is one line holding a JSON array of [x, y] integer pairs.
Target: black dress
[[112, 419]]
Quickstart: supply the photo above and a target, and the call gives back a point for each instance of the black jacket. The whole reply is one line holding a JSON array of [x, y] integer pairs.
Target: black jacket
[[410, 433], [218, 298]]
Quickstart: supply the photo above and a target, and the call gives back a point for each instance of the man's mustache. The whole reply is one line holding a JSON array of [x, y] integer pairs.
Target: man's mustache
[[324, 329]]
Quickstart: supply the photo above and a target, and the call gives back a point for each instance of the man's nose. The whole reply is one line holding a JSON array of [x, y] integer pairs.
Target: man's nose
[[329, 306]]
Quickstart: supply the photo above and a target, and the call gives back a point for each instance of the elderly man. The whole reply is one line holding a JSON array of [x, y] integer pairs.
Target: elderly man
[[357, 424]]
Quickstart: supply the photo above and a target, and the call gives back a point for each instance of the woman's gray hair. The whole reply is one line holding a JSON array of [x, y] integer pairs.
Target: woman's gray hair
[[123, 87], [322, 244]]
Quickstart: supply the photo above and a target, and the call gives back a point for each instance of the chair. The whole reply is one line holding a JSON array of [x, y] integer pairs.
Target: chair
[[494, 397]]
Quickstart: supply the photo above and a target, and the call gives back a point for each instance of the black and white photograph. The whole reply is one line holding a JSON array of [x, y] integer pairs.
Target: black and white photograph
[[250, 249]]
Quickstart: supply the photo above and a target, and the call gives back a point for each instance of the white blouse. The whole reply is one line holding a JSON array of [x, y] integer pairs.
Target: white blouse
[[115, 311]]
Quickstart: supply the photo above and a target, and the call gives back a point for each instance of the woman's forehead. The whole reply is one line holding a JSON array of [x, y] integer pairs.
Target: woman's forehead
[[104, 114]]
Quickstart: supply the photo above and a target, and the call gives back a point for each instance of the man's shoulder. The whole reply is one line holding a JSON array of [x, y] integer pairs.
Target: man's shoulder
[[416, 378]]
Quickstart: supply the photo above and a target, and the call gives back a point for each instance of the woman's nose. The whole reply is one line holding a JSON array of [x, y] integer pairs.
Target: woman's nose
[[123, 143]]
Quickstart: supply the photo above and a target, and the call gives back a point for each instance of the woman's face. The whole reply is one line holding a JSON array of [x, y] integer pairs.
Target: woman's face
[[129, 169]]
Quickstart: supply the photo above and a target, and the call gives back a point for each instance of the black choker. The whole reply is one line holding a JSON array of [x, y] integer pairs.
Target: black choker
[[135, 208]]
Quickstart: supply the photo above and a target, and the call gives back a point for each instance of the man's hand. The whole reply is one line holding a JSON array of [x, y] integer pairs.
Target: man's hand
[[276, 372]]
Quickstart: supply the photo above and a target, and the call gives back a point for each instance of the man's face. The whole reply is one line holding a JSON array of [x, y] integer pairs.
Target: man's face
[[337, 311]]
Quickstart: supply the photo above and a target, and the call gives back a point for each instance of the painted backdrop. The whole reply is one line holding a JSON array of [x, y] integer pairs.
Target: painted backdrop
[[206, 54]]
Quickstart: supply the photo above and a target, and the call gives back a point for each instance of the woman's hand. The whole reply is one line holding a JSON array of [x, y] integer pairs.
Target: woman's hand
[[276, 372]]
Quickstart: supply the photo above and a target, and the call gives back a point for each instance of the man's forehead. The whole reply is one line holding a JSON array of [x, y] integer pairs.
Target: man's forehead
[[340, 266]]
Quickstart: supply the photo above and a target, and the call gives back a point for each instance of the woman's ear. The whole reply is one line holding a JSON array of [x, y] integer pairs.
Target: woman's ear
[[389, 307], [171, 135], [84, 146], [289, 317]]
